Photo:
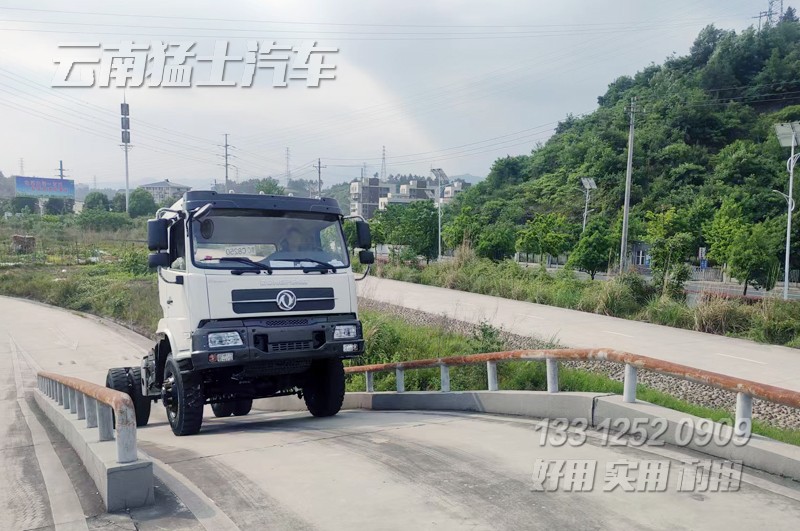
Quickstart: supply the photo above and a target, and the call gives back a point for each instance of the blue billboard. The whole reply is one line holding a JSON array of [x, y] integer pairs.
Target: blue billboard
[[45, 187]]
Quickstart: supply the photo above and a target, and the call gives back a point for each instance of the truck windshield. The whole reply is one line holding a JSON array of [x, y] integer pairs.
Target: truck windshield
[[280, 240]]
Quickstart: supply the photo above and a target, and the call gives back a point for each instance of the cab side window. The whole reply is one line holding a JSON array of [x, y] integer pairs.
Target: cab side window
[[177, 246]]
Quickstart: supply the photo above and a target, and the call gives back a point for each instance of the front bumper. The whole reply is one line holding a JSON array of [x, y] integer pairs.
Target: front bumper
[[276, 340]]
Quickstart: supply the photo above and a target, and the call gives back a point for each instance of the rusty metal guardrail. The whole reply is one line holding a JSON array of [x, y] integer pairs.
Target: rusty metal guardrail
[[95, 404], [745, 390]]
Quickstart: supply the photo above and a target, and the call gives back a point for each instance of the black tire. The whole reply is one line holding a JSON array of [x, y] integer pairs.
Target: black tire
[[183, 399], [324, 389], [117, 379], [242, 407], [141, 403], [223, 409], [128, 380]]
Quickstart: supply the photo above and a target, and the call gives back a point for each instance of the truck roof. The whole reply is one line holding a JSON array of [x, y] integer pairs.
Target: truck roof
[[197, 198]]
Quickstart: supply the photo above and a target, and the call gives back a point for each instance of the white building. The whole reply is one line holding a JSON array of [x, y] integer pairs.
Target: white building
[[163, 190]]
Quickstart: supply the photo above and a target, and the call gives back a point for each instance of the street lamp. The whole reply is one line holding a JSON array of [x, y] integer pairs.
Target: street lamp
[[440, 174], [588, 186], [787, 136]]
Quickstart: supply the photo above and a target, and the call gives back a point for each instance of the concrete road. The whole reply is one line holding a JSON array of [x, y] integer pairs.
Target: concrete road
[[769, 364], [382, 470]]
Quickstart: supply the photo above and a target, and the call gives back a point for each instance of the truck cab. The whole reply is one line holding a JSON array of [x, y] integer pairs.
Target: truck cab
[[258, 300]]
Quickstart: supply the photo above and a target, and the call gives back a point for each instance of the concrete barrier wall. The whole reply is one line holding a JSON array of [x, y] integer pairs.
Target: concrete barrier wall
[[759, 452], [122, 486]]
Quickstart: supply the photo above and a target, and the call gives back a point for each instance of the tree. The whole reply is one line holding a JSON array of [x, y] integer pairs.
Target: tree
[[593, 249], [670, 242], [56, 206], [270, 186], [753, 257], [304, 187], [723, 230], [24, 205], [546, 234], [141, 203], [96, 201], [790, 15], [414, 225], [118, 202], [496, 241]]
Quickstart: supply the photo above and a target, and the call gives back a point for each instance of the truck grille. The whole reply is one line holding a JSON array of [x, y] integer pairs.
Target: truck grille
[[276, 323], [289, 346], [270, 368]]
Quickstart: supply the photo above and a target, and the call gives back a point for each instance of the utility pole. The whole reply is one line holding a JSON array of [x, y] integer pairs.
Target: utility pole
[[588, 186], [623, 253], [439, 174], [288, 168], [60, 169], [319, 167], [227, 187], [383, 165], [21, 166], [126, 146]]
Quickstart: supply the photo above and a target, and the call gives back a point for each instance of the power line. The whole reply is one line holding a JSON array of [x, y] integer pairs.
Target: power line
[[350, 24]]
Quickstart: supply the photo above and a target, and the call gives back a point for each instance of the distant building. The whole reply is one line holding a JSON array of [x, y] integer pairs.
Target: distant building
[[365, 195], [163, 190], [453, 189]]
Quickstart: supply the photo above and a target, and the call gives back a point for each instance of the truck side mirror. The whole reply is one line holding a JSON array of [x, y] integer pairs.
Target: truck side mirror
[[363, 235], [366, 257], [155, 260], [157, 234]]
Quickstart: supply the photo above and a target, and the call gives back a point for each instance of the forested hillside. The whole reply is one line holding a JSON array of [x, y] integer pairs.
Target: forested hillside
[[704, 138]]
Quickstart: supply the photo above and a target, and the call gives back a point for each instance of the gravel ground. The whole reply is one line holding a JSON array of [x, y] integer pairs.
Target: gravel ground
[[701, 395]]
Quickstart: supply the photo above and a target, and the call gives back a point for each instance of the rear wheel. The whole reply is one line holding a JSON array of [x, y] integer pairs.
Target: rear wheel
[[128, 380], [223, 409], [183, 399], [141, 403], [324, 389], [242, 407]]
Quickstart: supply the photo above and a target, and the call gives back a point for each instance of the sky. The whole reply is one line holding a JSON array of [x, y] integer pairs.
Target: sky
[[439, 83]]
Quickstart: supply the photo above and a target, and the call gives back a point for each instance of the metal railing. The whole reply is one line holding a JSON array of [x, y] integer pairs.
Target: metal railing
[[95, 404], [745, 390]]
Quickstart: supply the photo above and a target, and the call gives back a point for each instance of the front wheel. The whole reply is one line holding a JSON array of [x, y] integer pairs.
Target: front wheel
[[183, 399], [324, 389]]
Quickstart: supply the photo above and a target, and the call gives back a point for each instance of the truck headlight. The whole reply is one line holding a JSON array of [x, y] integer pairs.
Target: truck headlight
[[345, 332], [224, 339]]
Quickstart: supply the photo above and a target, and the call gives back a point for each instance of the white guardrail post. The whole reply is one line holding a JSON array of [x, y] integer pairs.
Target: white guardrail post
[[97, 415], [552, 375], [445, 377], [401, 379], [370, 379], [744, 415], [629, 385], [491, 375]]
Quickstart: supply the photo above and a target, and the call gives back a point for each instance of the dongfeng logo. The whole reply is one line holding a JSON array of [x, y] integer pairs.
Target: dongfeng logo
[[286, 300]]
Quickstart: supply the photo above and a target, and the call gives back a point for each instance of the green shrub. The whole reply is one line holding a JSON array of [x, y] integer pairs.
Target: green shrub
[[609, 298], [669, 312], [641, 290], [719, 315], [98, 220], [776, 321]]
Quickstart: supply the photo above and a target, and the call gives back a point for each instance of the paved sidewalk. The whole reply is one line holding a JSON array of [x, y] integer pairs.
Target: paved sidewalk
[[769, 364]]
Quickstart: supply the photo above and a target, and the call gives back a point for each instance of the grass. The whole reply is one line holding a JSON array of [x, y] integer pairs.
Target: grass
[[767, 320], [118, 290]]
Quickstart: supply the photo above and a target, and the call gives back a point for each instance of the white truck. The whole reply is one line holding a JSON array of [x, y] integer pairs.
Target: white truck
[[258, 299]]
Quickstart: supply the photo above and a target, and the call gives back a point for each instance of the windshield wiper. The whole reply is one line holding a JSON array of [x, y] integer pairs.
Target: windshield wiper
[[325, 265], [243, 260]]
